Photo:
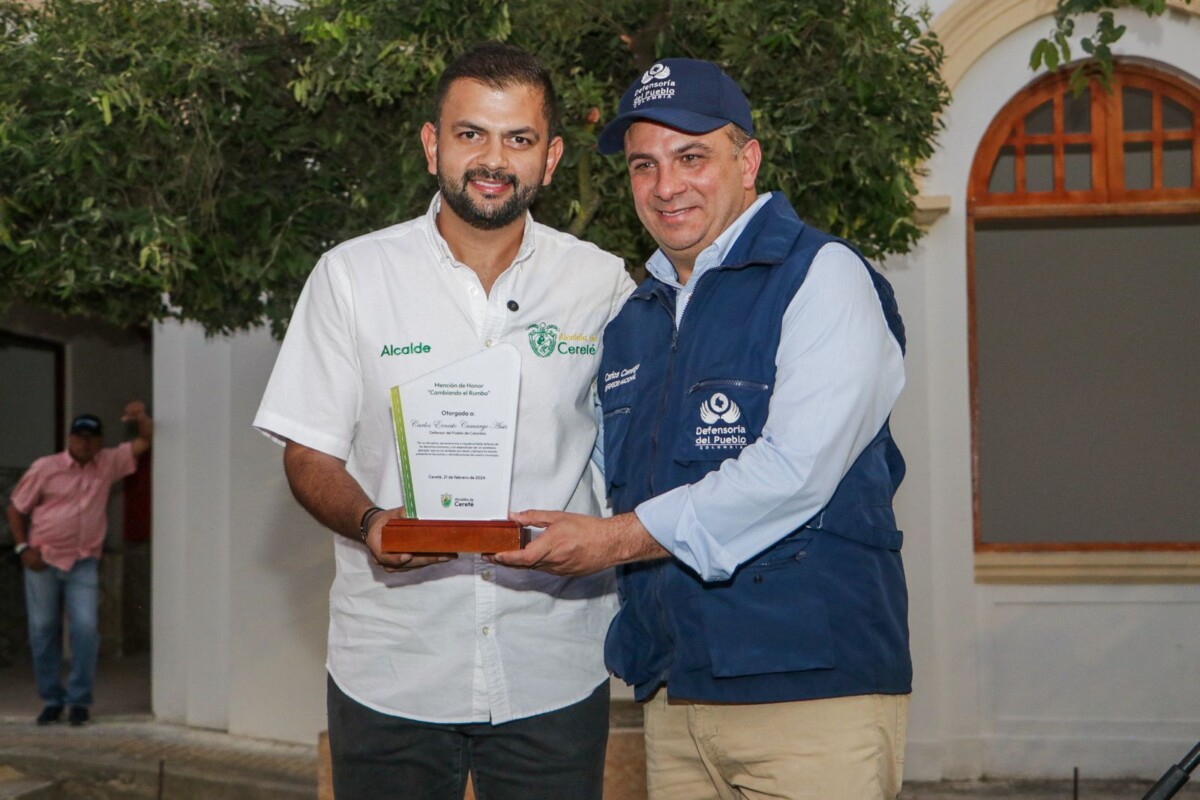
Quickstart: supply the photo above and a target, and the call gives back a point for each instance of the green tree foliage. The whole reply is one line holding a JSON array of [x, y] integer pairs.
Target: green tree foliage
[[1055, 49], [176, 158], [153, 162]]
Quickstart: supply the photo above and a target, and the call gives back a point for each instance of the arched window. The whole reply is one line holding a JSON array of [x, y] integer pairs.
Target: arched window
[[1131, 150], [1084, 237]]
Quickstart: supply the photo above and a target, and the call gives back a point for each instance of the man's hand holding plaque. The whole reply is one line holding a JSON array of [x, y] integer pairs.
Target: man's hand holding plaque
[[397, 561], [455, 431]]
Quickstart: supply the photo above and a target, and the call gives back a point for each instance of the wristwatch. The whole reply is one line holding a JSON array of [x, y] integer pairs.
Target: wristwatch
[[21, 547]]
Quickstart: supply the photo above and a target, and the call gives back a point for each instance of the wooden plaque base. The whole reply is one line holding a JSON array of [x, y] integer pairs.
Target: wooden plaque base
[[453, 536]]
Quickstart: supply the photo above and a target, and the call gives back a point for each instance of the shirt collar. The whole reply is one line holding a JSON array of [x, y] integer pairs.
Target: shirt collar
[[66, 461], [712, 256], [439, 243]]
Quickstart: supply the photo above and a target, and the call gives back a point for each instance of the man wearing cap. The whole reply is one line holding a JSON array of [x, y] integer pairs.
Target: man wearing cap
[[58, 518], [746, 388]]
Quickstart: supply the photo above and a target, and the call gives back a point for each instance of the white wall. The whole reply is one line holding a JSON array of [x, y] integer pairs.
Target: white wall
[[241, 573], [1019, 680]]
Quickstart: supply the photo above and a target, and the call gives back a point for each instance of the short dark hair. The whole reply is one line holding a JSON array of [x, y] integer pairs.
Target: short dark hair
[[739, 136], [500, 65]]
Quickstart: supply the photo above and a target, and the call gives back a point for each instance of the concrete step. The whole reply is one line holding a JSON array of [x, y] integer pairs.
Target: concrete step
[[16, 785], [105, 778], [115, 759]]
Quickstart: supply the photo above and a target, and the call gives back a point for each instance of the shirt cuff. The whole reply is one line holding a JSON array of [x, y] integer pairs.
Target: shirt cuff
[[659, 514], [671, 519]]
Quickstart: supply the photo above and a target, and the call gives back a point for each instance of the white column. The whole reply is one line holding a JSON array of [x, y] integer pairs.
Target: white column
[[241, 573], [191, 613]]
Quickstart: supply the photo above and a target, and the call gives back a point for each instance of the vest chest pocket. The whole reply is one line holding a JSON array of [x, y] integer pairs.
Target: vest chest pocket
[[720, 417]]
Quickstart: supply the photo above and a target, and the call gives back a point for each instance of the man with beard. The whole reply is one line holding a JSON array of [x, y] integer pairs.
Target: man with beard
[[440, 667]]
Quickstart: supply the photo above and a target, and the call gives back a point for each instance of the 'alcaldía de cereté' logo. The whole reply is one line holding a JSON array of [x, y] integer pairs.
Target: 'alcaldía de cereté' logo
[[542, 338], [545, 339]]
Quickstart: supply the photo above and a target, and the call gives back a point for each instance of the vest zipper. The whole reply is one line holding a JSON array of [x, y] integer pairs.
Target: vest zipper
[[662, 404]]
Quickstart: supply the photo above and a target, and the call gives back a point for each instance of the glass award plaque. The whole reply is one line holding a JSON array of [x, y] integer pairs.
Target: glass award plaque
[[455, 430]]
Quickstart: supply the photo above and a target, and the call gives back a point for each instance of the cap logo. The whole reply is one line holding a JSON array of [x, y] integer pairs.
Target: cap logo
[[658, 72], [655, 85]]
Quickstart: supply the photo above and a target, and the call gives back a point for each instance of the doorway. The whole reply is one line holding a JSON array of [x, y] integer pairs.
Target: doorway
[[52, 368]]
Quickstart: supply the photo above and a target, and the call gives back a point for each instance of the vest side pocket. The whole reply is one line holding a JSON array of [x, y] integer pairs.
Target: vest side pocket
[[616, 428], [770, 618]]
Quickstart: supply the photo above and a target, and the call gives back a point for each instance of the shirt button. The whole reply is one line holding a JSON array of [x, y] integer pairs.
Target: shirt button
[[472, 290], [486, 574], [489, 343], [485, 630]]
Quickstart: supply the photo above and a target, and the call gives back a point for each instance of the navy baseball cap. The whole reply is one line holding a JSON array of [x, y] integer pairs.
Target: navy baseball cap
[[682, 93], [87, 424]]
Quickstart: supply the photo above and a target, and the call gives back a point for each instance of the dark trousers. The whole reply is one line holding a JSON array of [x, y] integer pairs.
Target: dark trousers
[[554, 756]]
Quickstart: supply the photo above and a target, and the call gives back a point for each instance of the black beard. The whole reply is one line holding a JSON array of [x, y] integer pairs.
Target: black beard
[[491, 217]]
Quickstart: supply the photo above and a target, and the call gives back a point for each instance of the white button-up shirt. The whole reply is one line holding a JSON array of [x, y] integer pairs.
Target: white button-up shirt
[[463, 641]]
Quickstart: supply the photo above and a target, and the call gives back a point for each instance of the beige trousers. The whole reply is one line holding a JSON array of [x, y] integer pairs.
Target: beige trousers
[[842, 748]]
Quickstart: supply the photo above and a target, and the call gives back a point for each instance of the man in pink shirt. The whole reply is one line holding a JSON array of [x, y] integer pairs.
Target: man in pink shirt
[[57, 515]]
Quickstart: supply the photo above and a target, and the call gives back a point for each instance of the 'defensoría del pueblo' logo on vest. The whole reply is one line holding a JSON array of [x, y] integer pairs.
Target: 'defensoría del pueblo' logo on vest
[[542, 338], [713, 436], [719, 407]]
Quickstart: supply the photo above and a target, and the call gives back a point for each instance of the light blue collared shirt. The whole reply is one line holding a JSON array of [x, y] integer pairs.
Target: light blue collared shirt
[[839, 371], [710, 257]]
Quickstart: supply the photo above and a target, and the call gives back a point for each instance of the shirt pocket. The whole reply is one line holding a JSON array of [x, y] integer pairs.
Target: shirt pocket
[[771, 617], [721, 416]]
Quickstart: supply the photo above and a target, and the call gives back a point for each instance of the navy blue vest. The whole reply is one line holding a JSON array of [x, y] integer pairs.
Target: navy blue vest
[[821, 613]]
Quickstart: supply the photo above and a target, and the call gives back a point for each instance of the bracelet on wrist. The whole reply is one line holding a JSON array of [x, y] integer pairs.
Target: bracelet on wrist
[[21, 547], [364, 524]]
